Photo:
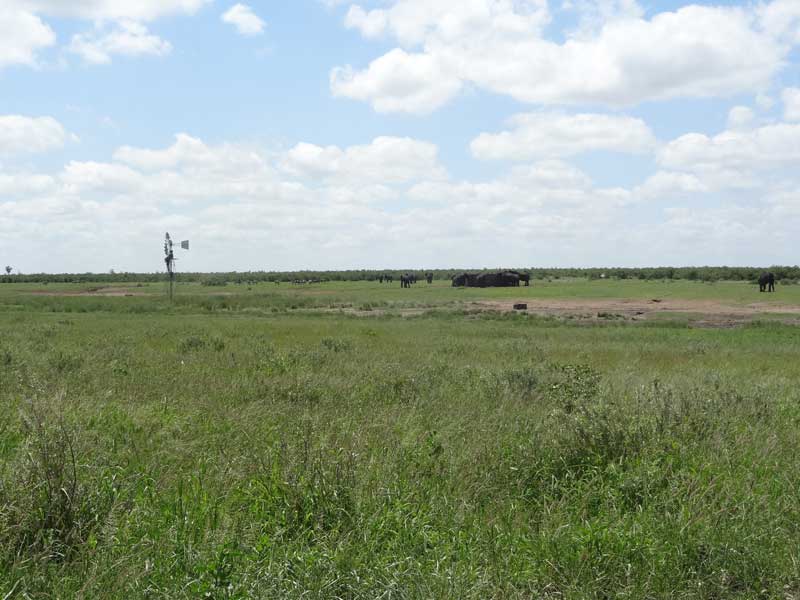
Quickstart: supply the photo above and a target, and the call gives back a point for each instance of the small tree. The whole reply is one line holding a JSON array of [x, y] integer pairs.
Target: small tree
[[8, 270]]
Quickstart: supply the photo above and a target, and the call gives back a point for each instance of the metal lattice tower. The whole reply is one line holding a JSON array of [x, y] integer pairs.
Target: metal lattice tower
[[169, 260]]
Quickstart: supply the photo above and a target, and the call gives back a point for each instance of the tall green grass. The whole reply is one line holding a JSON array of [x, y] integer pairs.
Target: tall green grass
[[278, 456]]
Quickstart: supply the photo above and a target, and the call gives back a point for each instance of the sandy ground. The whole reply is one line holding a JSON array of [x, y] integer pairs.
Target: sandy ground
[[103, 291], [708, 313], [700, 313]]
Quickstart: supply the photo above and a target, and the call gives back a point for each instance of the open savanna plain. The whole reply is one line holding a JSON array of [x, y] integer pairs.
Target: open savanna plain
[[617, 439]]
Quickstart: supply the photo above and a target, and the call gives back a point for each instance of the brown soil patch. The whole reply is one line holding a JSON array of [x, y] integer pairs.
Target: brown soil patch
[[102, 291], [707, 313], [375, 312], [312, 292]]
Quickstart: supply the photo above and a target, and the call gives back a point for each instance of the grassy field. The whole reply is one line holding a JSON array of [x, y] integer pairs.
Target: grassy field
[[264, 442], [271, 297]]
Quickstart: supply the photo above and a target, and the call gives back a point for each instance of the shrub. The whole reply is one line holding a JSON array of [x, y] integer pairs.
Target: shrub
[[214, 282], [191, 343], [336, 344], [49, 506]]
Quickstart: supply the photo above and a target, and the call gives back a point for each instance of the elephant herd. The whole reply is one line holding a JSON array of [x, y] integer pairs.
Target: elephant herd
[[406, 280], [482, 280], [498, 279], [766, 281]]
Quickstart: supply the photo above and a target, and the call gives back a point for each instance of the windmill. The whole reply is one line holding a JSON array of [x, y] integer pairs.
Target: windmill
[[169, 260]]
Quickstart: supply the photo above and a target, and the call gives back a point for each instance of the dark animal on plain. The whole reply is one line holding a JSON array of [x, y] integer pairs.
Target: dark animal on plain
[[766, 282], [465, 280], [500, 279], [526, 277], [497, 280], [429, 278], [389, 278], [513, 274], [405, 281], [380, 278]]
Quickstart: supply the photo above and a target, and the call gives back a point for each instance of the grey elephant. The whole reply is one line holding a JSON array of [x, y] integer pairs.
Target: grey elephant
[[766, 282]]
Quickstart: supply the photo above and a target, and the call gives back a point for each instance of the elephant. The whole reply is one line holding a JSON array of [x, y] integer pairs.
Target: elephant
[[526, 277], [504, 279], [406, 280], [465, 280], [766, 282], [500, 279]]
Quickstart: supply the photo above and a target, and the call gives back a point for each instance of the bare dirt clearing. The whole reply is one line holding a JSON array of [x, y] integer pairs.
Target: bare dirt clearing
[[372, 312], [703, 313], [713, 313], [111, 291]]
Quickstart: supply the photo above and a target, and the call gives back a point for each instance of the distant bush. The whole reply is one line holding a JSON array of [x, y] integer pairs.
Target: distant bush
[[693, 273], [214, 282]]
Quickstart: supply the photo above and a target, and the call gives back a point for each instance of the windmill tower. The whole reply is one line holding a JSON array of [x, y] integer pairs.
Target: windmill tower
[[169, 260]]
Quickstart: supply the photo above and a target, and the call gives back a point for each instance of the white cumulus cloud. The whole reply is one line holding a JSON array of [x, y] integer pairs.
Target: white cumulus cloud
[[500, 46], [385, 160], [29, 135], [740, 117], [399, 82], [118, 27], [414, 22], [781, 18], [244, 19], [593, 14], [390, 203], [549, 134], [102, 10], [669, 185], [763, 147], [22, 35], [127, 38], [25, 184], [186, 150], [791, 104]]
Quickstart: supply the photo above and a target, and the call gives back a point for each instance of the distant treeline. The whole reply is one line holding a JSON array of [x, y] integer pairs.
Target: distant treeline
[[785, 274]]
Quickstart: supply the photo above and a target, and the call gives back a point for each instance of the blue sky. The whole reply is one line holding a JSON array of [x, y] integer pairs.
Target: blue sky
[[398, 133]]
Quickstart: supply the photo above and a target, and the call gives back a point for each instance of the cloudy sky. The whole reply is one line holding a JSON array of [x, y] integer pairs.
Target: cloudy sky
[[328, 134]]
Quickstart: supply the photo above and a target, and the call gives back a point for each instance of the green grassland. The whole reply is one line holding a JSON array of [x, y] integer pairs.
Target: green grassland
[[262, 442], [270, 297]]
